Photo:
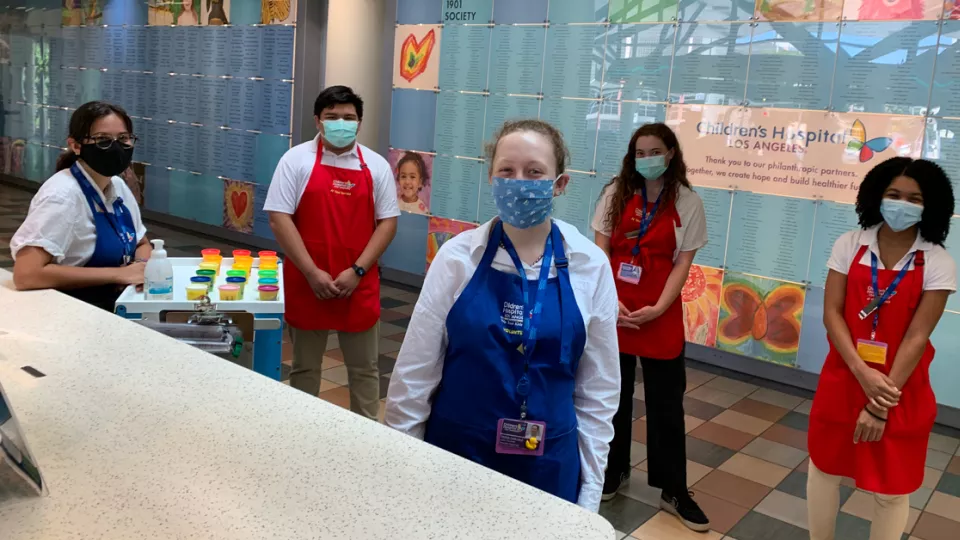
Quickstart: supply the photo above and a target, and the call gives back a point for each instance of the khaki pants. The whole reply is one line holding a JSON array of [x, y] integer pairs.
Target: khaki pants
[[361, 353], [890, 512]]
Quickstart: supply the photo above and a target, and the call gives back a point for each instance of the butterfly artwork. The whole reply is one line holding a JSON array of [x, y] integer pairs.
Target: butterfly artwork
[[760, 317], [865, 149]]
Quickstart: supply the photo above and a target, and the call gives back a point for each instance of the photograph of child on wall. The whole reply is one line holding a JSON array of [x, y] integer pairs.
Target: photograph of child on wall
[[412, 171]]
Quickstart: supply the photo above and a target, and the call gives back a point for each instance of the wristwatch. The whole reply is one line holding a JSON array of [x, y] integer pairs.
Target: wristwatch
[[359, 270]]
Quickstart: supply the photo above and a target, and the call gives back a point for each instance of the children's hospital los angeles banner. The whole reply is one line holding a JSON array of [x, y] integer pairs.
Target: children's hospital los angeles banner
[[810, 154]]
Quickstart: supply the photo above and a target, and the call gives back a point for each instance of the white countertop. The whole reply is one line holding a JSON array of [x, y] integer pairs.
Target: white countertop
[[138, 436]]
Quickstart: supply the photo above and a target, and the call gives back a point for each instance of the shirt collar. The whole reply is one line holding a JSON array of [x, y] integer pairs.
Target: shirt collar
[[574, 242], [318, 145], [107, 195], [869, 238]]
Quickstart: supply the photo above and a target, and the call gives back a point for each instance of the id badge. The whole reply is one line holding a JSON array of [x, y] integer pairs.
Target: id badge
[[629, 273], [521, 437], [872, 352]]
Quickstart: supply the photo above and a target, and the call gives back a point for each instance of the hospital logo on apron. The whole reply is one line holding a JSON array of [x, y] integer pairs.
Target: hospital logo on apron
[[870, 294], [343, 188], [512, 318]]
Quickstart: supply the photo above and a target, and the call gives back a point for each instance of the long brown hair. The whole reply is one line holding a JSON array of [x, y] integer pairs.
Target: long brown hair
[[628, 182]]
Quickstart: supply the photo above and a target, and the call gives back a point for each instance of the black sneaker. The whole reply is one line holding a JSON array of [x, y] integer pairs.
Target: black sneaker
[[686, 510], [611, 486]]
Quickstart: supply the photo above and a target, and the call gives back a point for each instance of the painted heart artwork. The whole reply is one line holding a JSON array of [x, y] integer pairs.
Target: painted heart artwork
[[415, 55], [238, 206]]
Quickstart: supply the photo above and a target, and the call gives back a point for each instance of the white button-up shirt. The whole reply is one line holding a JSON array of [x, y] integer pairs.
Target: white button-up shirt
[[419, 365], [61, 223], [293, 174]]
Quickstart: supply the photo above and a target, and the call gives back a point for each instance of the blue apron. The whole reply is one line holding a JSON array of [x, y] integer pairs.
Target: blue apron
[[116, 243], [484, 370]]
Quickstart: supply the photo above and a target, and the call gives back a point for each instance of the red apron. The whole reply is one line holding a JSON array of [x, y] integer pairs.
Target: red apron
[[336, 220], [895, 464], [663, 337]]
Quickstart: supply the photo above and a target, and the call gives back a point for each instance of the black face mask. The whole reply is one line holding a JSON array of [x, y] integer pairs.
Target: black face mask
[[109, 161]]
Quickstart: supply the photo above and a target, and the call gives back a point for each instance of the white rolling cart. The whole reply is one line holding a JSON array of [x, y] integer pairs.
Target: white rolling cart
[[267, 315]]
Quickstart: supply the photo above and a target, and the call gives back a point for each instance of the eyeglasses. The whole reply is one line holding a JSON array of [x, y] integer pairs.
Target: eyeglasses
[[103, 142]]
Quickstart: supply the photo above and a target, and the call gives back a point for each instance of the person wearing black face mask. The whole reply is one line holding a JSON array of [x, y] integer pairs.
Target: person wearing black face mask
[[83, 234]]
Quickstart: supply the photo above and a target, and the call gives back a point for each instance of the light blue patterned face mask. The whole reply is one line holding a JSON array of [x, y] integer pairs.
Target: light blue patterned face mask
[[523, 203]]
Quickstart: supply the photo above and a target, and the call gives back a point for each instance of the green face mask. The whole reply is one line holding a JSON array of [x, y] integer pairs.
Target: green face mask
[[651, 167], [340, 133]]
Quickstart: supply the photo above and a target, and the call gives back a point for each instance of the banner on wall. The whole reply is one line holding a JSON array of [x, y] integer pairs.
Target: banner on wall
[[794, 153], [440, 231], [412, 172]]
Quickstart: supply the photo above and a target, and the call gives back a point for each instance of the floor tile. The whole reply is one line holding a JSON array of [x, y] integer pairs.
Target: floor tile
[[714, 396], [742, 422], [732, 488], [333, 342], [386, 364], [859, 504], [937, 459], [639, 409], [331, 362], [338, 396], [756, 526], [390, 316], [640, 431], [707, 453], [664, 526], [778, 399], [700, 409], [697, 377], [406, 310], [774, 452], [722, 435], [723, 515], [637, 488], [387, 329], [931, 477], [944, 505], [796, 484], [949, 484], [328, 385], [759, 409], [954, 466], [691, 423], [795, 420], [390, 303], [920, 498], [389, 346], [786, 435], [336, 354], [336, 375], [639, 392], [756, 470], [384, 386], [850, 527], [943, 443], [731, 386], [785, 507], [696, 472], [934, 527], [638, 453], [804, 408], [626, 514]]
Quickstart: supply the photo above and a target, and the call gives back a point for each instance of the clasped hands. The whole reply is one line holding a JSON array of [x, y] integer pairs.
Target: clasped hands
[[328, 288], [633, 320], [882, 395]]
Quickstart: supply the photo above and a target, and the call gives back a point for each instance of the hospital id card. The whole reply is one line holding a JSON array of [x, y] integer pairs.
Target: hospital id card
[[872, 352], [521, 437]]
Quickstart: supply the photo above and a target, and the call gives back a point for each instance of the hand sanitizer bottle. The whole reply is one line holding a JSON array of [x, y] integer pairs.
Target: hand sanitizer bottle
[[158, 275]]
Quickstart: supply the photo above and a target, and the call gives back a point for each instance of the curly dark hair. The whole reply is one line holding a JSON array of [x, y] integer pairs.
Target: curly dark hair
[[934, 185], [626, 184], [417, 160]]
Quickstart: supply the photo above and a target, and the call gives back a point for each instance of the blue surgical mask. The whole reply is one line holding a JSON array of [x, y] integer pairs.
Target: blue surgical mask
[[340, 133], [523, 203], [900, 215], [652, 167]]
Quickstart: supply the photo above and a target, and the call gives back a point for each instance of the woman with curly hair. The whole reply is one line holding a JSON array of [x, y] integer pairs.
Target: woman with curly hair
[[651, 224], [886, 290]]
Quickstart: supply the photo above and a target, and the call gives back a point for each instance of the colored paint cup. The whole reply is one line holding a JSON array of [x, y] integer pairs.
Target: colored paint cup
[[210, 266], [196, 291], [229, 293], [206, 281], [237, 272], [268, 293], [263, 254], [210, 252], [268, 281], [269, 267], [237, 253], [207, 272], [267, 273], [269, 260], [239, 282]]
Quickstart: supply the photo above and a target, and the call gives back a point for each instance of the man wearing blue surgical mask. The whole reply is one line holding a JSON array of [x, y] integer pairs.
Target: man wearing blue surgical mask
[[333, 209]]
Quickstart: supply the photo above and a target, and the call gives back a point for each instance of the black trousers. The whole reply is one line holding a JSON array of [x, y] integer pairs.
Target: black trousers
[[664, 383]]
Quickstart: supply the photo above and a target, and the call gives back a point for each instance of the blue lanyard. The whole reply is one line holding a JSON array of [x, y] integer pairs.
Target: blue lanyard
[[645, 219], [115, 219], [530, 322], [878, 299]]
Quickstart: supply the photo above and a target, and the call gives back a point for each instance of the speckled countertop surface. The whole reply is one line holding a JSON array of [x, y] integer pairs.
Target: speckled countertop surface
[[138, 436]]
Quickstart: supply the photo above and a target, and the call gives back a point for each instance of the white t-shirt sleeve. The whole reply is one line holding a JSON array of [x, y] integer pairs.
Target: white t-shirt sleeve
[[844, 250], [599, 223], [385, 192], [940, 272], [285, 187], [694, 221], [50, 225]]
